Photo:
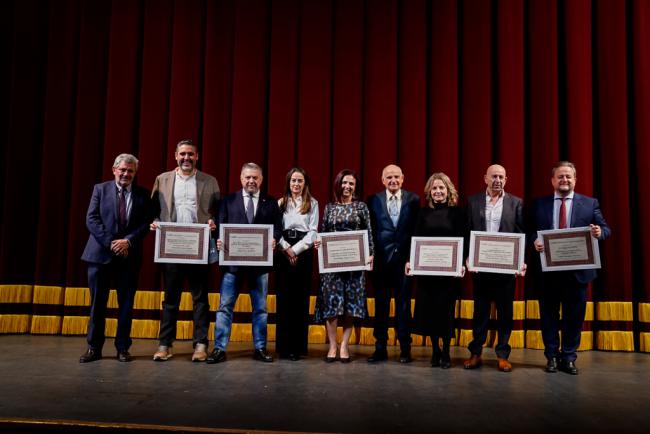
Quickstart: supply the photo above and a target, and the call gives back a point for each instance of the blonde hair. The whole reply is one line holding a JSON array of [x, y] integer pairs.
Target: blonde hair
[[452, 194]]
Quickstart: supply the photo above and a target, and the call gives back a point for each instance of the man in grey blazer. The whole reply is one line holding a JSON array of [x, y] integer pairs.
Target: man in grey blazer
[[493, 210], [185, 195]]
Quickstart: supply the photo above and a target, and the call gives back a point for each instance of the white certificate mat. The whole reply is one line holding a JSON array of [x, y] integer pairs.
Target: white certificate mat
[[569, 249], [246, 245], [437, 256], [182, 243], [343, 251], [496, 252]]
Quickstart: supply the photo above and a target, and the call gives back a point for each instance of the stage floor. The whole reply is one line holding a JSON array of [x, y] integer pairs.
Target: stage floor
[[43, 380]]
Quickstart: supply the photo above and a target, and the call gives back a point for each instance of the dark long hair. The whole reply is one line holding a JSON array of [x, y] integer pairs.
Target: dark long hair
[[306, 194], [337, 189]]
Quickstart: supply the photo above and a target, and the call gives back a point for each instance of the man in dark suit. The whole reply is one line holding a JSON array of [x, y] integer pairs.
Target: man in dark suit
[[118, 219], [185, 195], [247, 206], [493, 211], [393, 212], [565, 209]]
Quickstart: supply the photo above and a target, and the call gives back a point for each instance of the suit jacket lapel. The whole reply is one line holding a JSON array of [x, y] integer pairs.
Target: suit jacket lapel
[[200, 185], [167, 190], [481, 212], [239, 205], [403, 210], [112, 199], [575, 208]]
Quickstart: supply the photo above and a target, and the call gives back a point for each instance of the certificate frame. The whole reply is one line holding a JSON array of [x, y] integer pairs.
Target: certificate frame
[[480, 244], [182, 243], [569, 239], [344, 244], [451, 249], [236, 238]]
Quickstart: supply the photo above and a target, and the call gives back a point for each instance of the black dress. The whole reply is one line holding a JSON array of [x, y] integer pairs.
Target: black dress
[[435, 296]]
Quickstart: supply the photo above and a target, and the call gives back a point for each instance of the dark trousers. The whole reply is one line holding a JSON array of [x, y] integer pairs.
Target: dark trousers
[[124, 273], [197, 277], [499, 288], [293, 287], [387, 279], [562, 288]]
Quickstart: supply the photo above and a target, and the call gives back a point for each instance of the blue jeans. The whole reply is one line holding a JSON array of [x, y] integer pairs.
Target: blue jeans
[[230, 285]]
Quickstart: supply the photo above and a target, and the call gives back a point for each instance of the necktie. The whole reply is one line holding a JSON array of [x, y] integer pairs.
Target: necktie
[[561, 221], [250, 209], [121, 209], [393, 211]]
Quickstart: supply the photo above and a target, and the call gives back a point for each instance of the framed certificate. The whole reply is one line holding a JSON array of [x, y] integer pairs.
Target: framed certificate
[[343, 251], [182, 243], [246, 245], [437, 256], [496, 252], [569, 249]]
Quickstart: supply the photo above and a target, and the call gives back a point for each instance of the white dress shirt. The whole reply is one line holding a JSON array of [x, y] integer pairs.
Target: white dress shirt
[[568, 204], [293, 219], [127, 197], [493, 212], [256, 199], [185, 198]]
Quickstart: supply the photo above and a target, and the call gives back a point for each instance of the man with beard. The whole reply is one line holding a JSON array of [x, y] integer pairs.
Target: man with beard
[[185, 195], [118, 218], [493, 211], [246, 206], [565, 209]]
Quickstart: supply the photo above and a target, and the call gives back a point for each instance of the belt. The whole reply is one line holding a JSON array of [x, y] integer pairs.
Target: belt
[[293, 234]]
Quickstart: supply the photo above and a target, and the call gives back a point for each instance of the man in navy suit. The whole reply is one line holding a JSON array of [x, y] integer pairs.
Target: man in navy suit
[[247, 206], [493, 210], [118, 219], [393, 212], [565, 209]]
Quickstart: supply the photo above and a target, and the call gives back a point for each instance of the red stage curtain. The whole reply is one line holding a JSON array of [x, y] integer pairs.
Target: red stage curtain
[[451, 86]]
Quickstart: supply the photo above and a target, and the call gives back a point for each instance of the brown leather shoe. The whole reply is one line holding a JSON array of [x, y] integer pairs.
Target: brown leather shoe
[[504, 365], [473, 362], [200, 353]]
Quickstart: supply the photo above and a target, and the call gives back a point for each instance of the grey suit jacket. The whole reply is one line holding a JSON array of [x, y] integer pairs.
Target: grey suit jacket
[[207, 196]]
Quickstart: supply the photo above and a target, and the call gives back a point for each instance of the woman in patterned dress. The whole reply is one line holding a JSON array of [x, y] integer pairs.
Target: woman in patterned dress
[[342, 296]]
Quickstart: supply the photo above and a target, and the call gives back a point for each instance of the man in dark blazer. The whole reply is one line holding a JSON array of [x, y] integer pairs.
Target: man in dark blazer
[[247, 206], [493, 211], [118, 219], [185, 195], [564, 209], [393, 212]]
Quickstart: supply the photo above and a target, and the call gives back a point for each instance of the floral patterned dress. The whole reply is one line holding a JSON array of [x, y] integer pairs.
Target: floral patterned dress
[[343, 293]]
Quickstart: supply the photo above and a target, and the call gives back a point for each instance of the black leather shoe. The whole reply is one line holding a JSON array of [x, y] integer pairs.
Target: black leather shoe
[[329, 359], [405, 356], [124, 356], [216, 356], [569, 368], [551, 365], [294, 357], [262, 355], [445, 361], [378, 356], [90, 356], [345, 359]]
